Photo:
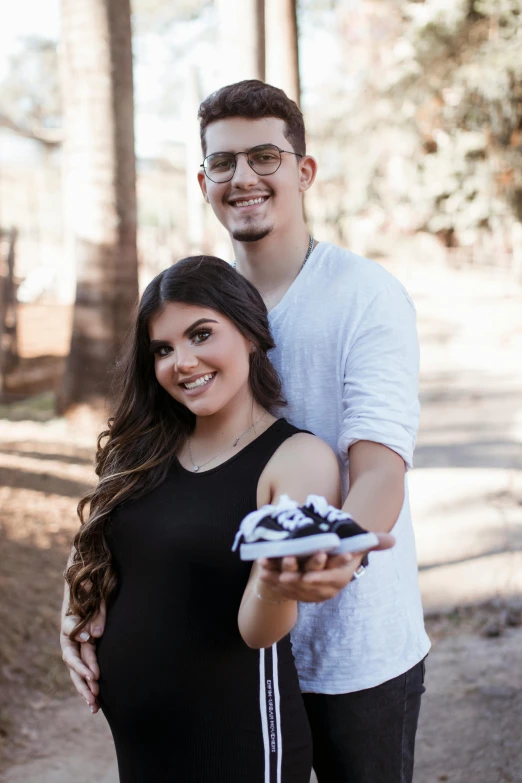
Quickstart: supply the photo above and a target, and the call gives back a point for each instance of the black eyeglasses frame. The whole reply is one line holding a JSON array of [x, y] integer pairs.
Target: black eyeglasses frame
[[247, 153]]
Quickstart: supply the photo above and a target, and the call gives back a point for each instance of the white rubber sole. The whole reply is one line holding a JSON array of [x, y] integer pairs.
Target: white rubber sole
[[359, 543], [298, 547]]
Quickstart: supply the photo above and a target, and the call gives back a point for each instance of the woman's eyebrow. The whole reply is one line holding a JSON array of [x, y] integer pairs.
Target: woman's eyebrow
[[198, 323], [155, 344]]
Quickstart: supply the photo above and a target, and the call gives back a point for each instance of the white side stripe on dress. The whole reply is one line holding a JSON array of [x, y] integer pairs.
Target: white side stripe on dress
[[270, 708], [277, 698], [262, 708]]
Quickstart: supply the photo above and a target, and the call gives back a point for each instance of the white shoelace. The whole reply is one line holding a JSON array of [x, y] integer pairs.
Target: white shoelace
[[321, 506], [286, 512], [291, 520]]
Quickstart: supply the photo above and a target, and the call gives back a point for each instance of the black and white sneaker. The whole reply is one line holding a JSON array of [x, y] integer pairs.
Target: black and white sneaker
[[283, 530], [353, 538]]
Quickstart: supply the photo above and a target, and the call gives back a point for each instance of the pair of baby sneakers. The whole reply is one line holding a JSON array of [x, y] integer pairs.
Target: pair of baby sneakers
[[287, 529]]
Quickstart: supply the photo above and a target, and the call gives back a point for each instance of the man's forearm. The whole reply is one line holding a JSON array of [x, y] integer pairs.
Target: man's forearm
[[375, 499]]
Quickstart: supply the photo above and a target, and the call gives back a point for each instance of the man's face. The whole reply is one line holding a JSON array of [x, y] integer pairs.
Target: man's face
[[277, 196]]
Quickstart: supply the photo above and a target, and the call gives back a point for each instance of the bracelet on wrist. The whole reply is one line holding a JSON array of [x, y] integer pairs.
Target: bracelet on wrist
[[269, 600]]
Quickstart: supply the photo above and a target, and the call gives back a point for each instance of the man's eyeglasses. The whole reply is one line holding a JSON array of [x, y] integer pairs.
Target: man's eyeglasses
[[264, 159]]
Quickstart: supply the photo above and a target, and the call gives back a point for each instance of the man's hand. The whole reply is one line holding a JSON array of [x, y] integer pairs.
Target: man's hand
[[80, 657], [319, 578]]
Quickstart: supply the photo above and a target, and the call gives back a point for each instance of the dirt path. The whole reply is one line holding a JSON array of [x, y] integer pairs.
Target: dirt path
[[466, 496], [469, 730], [471, 719]]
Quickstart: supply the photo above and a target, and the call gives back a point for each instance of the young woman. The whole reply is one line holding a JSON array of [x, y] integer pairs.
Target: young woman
[[197, 676]]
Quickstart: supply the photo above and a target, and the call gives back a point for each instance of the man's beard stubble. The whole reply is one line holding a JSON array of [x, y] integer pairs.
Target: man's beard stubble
[[251, 234]]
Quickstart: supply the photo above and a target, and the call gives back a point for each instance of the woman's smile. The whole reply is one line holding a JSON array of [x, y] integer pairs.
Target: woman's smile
[[197, 384]]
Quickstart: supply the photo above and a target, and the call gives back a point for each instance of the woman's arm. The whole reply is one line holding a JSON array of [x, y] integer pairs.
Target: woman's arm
[[302, 465], [265, 616]]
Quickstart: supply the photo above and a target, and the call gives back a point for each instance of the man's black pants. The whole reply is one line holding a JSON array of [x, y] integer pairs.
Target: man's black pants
[[367, 736]]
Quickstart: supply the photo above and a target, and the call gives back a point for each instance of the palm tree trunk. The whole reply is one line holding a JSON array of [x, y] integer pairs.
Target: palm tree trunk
[[100, 188]]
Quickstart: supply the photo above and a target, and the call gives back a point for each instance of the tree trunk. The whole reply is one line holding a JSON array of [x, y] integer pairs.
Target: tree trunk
[[282, 54], [100, 188], [242, 40], [197, 239], [8, 312]]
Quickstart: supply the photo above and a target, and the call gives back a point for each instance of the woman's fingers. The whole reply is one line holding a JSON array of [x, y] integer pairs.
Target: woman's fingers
[[289, 565], [270, 564], [342, 560], [315, 563], [71, 658], [89, 657], [289, 570], [84, 691], [81, 655], [81, 662], [338, 573], [68, 624], [97, 626]]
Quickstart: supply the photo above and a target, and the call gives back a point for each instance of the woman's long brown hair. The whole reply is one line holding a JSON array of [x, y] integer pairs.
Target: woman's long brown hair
[[147, 426]]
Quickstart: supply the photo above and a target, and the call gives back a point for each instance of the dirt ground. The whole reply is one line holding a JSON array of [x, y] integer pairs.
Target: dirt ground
[[471, 720]]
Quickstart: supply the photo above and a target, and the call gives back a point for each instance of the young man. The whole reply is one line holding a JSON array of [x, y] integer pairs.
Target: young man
[[347, 353]]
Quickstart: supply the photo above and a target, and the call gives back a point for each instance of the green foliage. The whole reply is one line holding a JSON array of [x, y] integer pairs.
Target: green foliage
[[430, 133]]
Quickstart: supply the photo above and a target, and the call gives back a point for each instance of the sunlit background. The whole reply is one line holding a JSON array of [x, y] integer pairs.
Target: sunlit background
[[413, 110]]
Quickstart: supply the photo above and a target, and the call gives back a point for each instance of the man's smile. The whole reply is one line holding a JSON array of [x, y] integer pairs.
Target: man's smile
[[240, 202]]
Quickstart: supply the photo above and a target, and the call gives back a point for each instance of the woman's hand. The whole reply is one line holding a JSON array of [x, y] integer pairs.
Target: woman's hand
[[80, 656], [320, 578]]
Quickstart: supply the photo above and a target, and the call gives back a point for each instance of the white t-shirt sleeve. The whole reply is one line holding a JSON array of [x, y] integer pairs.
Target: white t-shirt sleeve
[[381, 376]]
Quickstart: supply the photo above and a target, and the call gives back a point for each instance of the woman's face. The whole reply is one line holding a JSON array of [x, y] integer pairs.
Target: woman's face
[[200, 358]]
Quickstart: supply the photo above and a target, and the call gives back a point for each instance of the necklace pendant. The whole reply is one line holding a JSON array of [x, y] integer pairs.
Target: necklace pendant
[[196, 468]]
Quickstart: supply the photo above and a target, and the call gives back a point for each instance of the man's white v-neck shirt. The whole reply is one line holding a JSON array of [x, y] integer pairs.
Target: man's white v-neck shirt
[[347, 351]]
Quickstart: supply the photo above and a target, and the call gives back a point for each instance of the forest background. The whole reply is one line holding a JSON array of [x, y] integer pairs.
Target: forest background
[[414, 112]]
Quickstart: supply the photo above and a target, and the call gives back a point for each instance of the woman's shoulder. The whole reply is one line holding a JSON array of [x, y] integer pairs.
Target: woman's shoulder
[[303, 451], [303, 464]]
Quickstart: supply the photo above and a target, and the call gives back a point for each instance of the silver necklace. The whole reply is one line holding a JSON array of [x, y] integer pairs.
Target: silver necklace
[[307, 256], [234, 444]]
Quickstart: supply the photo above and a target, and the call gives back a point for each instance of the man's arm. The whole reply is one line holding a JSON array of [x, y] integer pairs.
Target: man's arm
[[376, 493], [378, 430], [375, 499]]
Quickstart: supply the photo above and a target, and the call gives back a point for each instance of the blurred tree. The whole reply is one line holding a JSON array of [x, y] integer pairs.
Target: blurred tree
[[281, 45], [170, 40], [242, 35], [156, 15], [30, 92], [468, 93], [420, 127], [100, 188]]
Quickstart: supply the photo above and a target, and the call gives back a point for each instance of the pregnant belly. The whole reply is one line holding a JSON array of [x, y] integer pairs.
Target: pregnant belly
[[150, 660]]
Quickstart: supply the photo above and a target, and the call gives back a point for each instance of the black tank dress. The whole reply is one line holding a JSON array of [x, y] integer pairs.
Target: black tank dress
[[186, 699]]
